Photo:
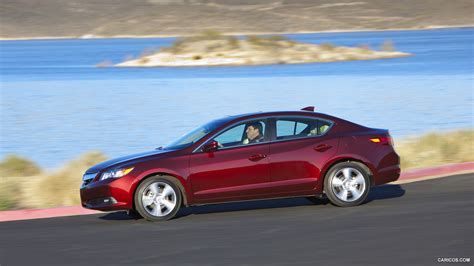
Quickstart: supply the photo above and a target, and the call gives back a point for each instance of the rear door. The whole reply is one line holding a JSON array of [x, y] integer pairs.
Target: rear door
[[298, 151]]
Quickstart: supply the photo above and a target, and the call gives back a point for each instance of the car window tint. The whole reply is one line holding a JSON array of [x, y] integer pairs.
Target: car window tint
[[289, 128], [285, 128], [323, 126], [237, 135], [300, 127], [232, 135]]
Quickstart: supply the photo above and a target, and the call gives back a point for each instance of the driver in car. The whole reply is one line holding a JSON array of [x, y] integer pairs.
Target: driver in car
[[254, 133]]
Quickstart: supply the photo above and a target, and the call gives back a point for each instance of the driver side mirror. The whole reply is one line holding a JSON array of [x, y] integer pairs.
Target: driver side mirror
[[211, 146]]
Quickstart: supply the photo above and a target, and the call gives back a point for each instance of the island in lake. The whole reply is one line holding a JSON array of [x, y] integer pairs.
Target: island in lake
[[213, 49]]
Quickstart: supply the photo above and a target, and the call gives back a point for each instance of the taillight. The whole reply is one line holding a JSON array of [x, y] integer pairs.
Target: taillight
[[382, 140]]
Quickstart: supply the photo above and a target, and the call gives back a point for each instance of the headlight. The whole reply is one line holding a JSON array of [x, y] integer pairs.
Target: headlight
[[115, 173]]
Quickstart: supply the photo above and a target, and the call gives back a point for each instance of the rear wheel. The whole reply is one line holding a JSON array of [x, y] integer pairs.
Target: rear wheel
[[347, 184], [158, 198]]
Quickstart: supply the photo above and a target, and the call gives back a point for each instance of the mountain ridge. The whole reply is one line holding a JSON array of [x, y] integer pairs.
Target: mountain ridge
[[110, 18]]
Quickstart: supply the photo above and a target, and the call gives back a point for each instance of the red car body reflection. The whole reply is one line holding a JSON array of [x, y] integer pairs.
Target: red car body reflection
[[287, 166]]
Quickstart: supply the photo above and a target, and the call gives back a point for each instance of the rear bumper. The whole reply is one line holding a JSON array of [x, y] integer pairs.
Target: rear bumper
[[387, 175], [108, 195], [388, 168]]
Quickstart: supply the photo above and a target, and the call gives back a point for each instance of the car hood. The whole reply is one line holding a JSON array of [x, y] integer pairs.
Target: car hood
[[117, 161]]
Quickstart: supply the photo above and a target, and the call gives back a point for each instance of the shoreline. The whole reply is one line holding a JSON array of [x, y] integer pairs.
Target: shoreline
[[94, 37]]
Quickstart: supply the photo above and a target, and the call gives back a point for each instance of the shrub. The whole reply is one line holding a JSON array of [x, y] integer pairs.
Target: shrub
[[144, 60], [210, 34], [277, 38], [327, 46], [176, 47], [13, 165], [351, 58], [60, 187], [253, 39], [364, 47], [436, 149], [233, 42], [387, 46], [210, 48], [271, 41], [10, 192], [105, 63]]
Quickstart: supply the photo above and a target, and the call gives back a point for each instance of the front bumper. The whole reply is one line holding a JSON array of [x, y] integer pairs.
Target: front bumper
[[108, 195]]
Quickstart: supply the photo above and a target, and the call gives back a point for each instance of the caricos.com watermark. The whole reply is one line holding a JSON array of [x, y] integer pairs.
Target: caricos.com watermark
[[454, 260]]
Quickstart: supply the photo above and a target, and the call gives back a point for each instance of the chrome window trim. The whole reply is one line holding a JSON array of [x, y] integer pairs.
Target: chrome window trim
[[276, 117]]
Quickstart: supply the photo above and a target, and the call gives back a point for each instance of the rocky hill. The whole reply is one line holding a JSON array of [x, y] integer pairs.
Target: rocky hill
[[213, 49], [107, 18]]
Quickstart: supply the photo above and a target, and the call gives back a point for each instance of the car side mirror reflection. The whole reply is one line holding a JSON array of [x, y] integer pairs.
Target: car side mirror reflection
[[211, 146]]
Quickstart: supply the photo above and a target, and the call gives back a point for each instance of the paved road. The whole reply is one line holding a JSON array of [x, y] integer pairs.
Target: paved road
[[410, 224]]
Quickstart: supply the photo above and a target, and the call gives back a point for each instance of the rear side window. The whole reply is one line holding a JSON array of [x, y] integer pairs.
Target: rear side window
[[323, 126], [291, 128]]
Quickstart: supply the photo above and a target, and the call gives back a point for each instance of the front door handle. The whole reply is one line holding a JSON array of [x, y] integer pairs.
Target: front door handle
[[322, 147], [257, 157]]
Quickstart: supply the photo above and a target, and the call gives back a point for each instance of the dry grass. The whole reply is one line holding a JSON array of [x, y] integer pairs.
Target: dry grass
[[327, 46], [436, 149], [10, 192], [14, 165], [48, 189], [270, 41], [105, 63], [387, 46], [144, 60]]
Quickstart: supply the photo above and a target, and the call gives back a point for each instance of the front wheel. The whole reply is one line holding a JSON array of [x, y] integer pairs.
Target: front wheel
[[158, 199], [347, 184]]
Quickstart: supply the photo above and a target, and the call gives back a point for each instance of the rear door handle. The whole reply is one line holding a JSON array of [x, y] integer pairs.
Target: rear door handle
[[322, 147], [257, 157]]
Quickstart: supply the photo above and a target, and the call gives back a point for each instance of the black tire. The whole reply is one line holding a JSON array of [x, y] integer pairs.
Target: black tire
[[353, 191], [318, 199], [134, 214], [145, 185]]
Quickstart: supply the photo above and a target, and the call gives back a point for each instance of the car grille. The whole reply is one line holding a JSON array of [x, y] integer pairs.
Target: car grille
[[87, 179]]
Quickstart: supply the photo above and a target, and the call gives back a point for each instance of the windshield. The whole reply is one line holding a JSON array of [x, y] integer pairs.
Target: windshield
[[192, 137]]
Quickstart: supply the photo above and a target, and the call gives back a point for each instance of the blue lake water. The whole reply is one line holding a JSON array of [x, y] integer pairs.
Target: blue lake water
[[55, 104]]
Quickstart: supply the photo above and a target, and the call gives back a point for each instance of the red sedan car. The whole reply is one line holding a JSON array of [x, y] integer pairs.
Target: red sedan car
[[244, 157]]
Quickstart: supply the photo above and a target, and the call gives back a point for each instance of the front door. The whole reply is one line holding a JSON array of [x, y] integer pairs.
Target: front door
[[238, 169]]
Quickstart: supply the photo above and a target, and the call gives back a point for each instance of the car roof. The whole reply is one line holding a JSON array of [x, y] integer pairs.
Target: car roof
[[280, 113]]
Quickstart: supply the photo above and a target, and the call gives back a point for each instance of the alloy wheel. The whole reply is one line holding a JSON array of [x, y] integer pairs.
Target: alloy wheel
[[159, 199], [348, 184]]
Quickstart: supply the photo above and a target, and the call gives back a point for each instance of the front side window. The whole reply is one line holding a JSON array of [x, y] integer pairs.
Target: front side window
[[247, 133], [193, 136], [291, 128]]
